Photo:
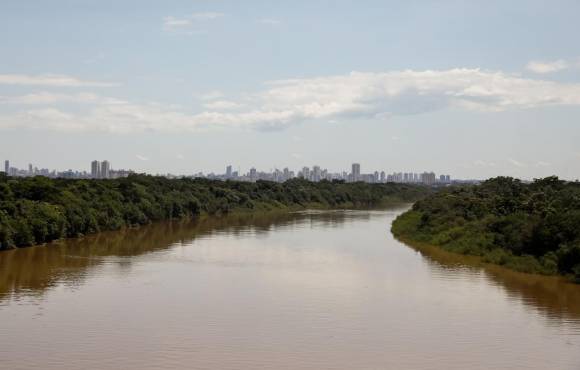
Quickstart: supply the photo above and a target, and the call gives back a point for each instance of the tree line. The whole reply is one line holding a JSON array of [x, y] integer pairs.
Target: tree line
[[529, 227], [36, 210]]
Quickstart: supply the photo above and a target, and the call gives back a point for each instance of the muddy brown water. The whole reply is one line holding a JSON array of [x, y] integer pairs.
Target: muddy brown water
[[307, 290]]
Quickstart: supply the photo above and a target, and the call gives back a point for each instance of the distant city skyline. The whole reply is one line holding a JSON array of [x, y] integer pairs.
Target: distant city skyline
[[97, 170], [103, 170], [312, 173]]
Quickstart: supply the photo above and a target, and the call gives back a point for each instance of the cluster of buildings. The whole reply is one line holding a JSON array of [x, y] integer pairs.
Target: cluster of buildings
[[35, 171], [99, 170], [316, 173], [428, 178], [103, 170]]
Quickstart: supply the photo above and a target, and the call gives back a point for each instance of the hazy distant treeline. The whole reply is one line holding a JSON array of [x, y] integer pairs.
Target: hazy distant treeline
[[527, 227], [37, 210]]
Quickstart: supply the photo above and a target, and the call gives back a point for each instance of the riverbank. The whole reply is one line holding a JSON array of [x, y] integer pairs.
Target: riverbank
[[530, 228], [405, 228], [39, 210], [549, 285]]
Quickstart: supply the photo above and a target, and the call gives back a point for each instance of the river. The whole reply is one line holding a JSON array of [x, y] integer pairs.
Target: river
[[307, 290]]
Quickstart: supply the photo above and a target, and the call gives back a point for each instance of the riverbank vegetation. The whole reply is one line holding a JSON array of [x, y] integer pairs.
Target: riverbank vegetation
[[37, 210], [531, 227]]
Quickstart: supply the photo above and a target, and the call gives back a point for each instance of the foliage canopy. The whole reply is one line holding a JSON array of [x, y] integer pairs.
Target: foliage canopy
[[531, 227], [38, 209]]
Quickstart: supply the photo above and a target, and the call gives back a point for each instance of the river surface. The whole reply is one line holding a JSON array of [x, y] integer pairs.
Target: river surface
[[308, 290]]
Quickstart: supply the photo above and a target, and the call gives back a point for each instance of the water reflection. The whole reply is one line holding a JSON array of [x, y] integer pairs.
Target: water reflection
[[554, 297], [31, 271]]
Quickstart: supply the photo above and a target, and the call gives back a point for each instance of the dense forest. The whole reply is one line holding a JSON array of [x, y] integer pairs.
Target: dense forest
[[531, 227], [37, 210]]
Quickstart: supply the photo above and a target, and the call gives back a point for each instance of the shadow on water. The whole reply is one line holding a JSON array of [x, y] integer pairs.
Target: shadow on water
[[32, 271], [556, 298]]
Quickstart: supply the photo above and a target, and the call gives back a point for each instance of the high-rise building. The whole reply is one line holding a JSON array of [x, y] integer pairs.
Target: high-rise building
[[306, 173], [7, 167], [95, 169], [356, 172], [105, 169], [428, 178], [316, 173]]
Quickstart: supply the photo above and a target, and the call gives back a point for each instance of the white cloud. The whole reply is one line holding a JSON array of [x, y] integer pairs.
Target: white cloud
[[47, 98], [516, 163], [287, 102], [207, 15], [181, 26], [170, 22], [547, 67], [223, 105], [412, 92], [42, 119], [50, 80], [187, 25], [211, 95], [269, 21]]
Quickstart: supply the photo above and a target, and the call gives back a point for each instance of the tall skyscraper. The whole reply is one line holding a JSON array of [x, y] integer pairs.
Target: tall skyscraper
[[356, 172], [95, 169], [316, 173], [7, 167], [428, 178], [105, 169]]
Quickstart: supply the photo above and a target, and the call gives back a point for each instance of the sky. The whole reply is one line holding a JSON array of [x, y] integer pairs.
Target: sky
[[474, 89]]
